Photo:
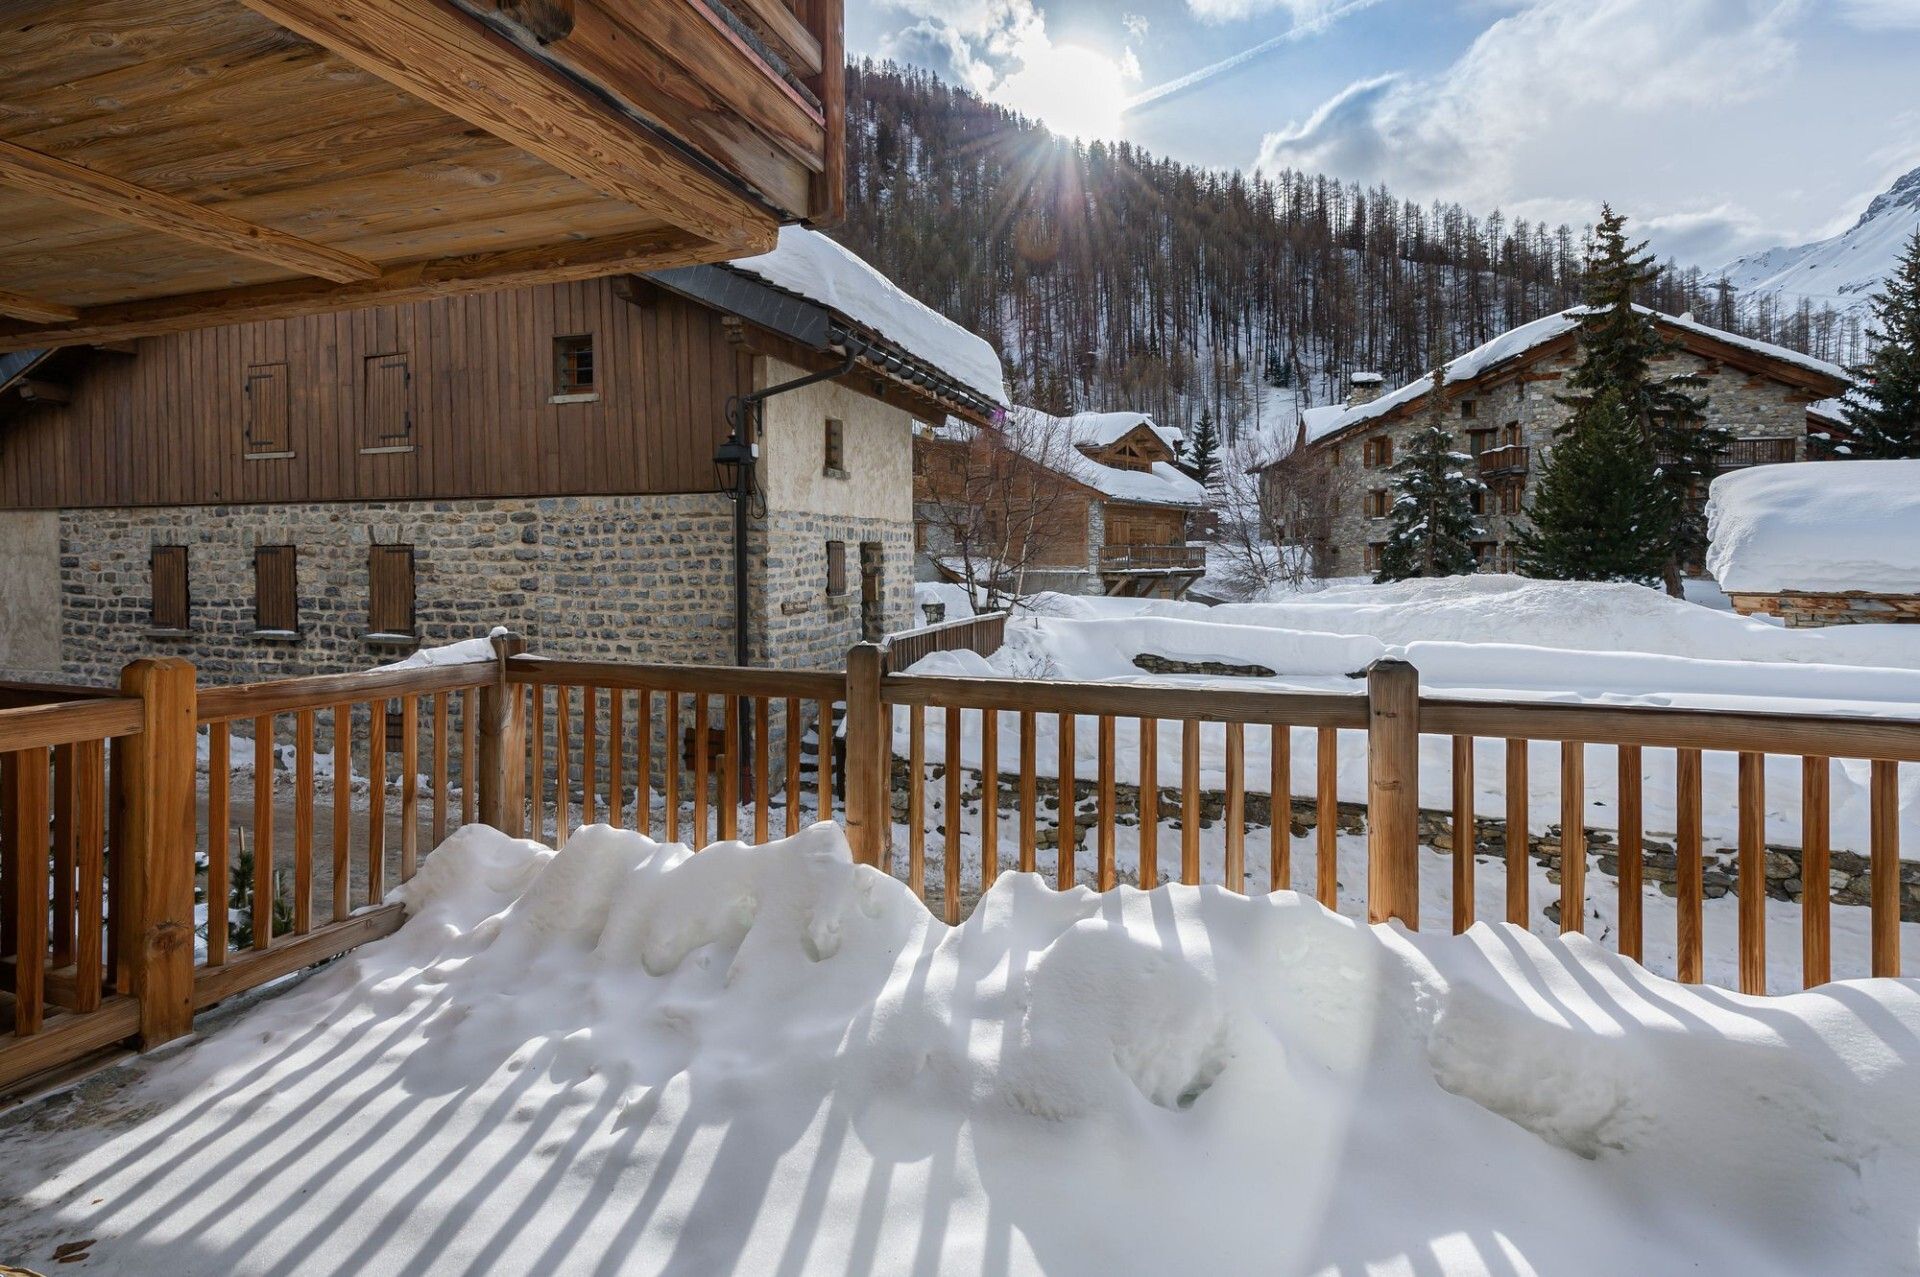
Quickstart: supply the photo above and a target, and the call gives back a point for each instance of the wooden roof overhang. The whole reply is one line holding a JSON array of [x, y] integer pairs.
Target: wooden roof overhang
[[171, 164]]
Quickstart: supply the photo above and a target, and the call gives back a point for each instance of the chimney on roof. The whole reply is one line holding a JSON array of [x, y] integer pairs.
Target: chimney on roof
[[1365, 388]]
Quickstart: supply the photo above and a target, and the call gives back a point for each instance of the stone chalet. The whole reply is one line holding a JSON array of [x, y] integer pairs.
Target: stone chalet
[[1501, 405], [328, 492], [1100, 498]]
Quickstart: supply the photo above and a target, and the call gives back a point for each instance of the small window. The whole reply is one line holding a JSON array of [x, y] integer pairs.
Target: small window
[[1379, 502], [1468, 409], [573, 365], [390, 589], [266, 407], [836, 569], [386, 403], [1375, 552], [1378, 451], [276, 599], [836, 447], [170, 599]]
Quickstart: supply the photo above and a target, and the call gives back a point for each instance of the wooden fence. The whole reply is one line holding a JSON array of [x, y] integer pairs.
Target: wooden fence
[[102, 825], [982, 634]]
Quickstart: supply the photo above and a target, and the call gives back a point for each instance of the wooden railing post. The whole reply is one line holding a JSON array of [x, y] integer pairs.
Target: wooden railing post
[[868, 819], [155, 805], [503, 745], [1393, 793]]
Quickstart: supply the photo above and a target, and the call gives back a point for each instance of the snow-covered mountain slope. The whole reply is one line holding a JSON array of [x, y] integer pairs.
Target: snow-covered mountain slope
[[1843, 271]]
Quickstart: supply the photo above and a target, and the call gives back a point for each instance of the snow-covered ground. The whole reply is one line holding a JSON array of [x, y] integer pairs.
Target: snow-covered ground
[[623, 1058], [1826, 529]]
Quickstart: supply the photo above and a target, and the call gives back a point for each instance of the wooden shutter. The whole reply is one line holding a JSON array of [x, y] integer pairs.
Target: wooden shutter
[[386, 402], [276, 599], [267, 409], [836, 444], [170, 600], [390, 589], [836, 567]]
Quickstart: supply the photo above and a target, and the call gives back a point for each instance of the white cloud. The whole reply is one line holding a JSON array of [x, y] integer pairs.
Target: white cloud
[[1882, 15], [1234, 10]]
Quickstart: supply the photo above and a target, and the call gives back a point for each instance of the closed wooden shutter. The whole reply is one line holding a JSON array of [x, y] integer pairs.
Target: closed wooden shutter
[[836, 445], [170, 600], [276, 599], [267, 409], [390, 589], [836, 567], [386, 402]]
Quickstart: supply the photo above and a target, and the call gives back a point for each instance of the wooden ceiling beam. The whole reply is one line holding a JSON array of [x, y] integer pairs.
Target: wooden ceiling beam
[[35, 310], [656, 249], [450, 59], [113, 197]]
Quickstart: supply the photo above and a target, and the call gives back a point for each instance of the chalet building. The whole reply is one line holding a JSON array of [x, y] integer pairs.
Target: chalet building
[[1090, 504], [327, 492], [1502, 407]]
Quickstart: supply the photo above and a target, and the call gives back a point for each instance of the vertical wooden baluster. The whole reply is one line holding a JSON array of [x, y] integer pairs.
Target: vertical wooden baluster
[[263, 831], [1632, 851], [1029, 794], [1816, 888], [730, 769], [342, 813], [643, 762], [441, 718], [539, 786], [11, 842], [989, 798], [303, 822], [702, 744], [377, 801], [1573, 837], [1149, 803], [1280, 807], [1236, 812], [589, 755], [1464, 834], [762, 727], [1883, 866], [823, 756], [562, 765], [65, 852], [1326, 782], [1519, 879], [1691, 888], [219, 756], [90, 837], [793, 765], [950, 808], [26, 842], [671, 765], [409, 787], [469, 754], [1753, 872], [917, 800], [1106, 871], [1068, 826], [617, 757], [1190, 802]]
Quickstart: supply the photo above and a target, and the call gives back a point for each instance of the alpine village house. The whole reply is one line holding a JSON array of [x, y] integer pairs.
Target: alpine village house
[[1502, 406]]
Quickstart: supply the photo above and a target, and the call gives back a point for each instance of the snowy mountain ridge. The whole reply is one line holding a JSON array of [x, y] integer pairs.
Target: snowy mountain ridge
[[1843, 271]]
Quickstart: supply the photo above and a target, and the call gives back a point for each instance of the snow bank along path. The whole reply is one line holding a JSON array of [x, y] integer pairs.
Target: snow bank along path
[[626, 1058]]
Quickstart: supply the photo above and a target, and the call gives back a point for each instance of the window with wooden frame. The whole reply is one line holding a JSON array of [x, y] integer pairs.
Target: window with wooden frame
[[836, 569], [276, 597], [573, 370], [265, 434], [1379, 502], [386, 403], [1378, 451], [1468, 409], [836, 448], [390, 590], [170, 609], [1375, 552]]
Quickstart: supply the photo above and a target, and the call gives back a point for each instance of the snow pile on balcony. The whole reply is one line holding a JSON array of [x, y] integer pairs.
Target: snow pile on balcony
[[1833, 528], [628, 1058]]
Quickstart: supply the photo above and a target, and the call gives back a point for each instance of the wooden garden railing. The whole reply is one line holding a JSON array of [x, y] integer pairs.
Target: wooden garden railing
[[984, 634]]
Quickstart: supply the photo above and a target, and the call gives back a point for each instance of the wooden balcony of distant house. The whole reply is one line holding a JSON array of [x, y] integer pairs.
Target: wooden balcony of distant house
[[1744, 453], [1140, 570], [1513, 458]]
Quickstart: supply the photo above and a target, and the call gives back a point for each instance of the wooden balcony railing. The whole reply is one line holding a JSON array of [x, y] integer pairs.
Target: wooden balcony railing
[[1153, 558], [1742, 453], [982, 634], [1513, 458]]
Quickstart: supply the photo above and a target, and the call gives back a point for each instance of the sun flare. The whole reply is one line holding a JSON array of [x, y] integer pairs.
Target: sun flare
[[1074, 91]]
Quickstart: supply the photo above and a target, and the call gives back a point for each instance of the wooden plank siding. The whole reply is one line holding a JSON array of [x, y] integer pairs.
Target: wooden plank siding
[[169, 426]]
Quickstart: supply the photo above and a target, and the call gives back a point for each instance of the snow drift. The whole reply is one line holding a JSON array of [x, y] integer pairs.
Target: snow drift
[[1851, 525], [627, 1058]]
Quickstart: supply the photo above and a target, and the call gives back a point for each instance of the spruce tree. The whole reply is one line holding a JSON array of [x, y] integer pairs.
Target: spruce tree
[[1204, 448], [1883, 416], [1619, 344], [1433, 521], [1600, 511]]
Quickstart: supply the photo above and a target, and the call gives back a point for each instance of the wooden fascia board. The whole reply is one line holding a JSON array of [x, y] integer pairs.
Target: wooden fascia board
[[452, 60], [899, 394], [422, 281], [35, 310]]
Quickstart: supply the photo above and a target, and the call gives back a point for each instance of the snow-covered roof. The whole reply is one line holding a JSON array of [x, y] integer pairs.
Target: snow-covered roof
[[1161, 485], [1103, 429], [1830, 410], [1528, 337], [1826, 528], [1323, 421], [808, 264]]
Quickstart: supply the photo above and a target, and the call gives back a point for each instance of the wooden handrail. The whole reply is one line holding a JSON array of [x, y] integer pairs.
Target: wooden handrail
[[731, 680], [64, 723], [1209, 705], [1896, 740], [282, 696]]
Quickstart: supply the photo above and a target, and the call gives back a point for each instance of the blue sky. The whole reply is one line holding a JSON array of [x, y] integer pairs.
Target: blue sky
[[1721, 126]]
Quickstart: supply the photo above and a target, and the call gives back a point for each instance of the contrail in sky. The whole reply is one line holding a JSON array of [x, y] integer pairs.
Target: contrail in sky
[[1299, 31]]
